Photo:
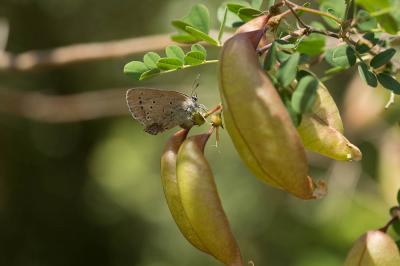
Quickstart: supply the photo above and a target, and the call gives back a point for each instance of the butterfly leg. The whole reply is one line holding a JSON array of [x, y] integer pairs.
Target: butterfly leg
[[216, 109]]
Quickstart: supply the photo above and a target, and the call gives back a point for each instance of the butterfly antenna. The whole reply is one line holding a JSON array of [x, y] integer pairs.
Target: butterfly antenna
[[196, 84]]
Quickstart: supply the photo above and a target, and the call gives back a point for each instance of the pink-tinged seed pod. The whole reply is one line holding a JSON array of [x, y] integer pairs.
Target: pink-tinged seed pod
[[321, 130], [255, 24], [374, 248], [171, 190], [201, 202], [257, 120]]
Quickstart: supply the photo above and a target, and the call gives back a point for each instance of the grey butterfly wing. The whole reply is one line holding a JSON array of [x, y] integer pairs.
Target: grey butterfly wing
[[158, 110]]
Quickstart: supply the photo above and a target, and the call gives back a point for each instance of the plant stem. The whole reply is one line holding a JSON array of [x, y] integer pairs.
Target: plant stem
[[302, 23], [294, 34], [221, 29], [348, 6], [188, 66], [215, 109], [300, 33], [386, 227], [313, 11]]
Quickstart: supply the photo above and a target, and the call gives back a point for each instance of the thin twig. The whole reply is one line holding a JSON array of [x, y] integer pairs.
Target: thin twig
[[76, 53], [313, 11], [386, 227], [391, 100], [295, 34], [302, 23], [81, 52], [324, 32]]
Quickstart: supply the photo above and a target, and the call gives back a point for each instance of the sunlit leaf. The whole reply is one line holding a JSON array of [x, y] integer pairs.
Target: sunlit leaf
[[150, 73], [199, 48], [135, 69], [247, 13], [194, 58], [174, 51], [183, 38], [150, 59], [235, 7], [201, 35], [232, 19], [180, 24], [198, 18], [169, 63]]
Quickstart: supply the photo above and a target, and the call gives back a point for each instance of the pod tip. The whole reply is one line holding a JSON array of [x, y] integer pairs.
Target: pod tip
[[354, 154]]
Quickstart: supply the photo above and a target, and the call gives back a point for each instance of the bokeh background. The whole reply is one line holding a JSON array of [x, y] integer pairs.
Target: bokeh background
[[89, 192]]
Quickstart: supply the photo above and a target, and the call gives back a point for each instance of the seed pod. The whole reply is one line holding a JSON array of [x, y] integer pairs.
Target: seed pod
[[255, 24], [257, 120], [201, 203], [321, 130], [374, 248], [389, 170], [171, 190]]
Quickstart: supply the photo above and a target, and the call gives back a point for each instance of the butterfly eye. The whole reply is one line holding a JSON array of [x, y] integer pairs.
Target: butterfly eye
[[194, 97]]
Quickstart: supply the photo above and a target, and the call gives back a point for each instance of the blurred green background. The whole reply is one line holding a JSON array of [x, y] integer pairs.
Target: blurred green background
[[89, 193]]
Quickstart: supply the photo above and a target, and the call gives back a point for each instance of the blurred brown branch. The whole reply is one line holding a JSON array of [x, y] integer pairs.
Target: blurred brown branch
[[32, 60], [69, 108], [75, 53]]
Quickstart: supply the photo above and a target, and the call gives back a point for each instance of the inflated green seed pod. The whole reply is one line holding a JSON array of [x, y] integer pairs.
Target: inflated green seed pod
[[201, 202], [257, 120], [374, 248], [171, 190], [321, 130]]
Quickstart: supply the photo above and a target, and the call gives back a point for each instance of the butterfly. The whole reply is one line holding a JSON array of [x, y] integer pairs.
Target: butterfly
[[160, 110]]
